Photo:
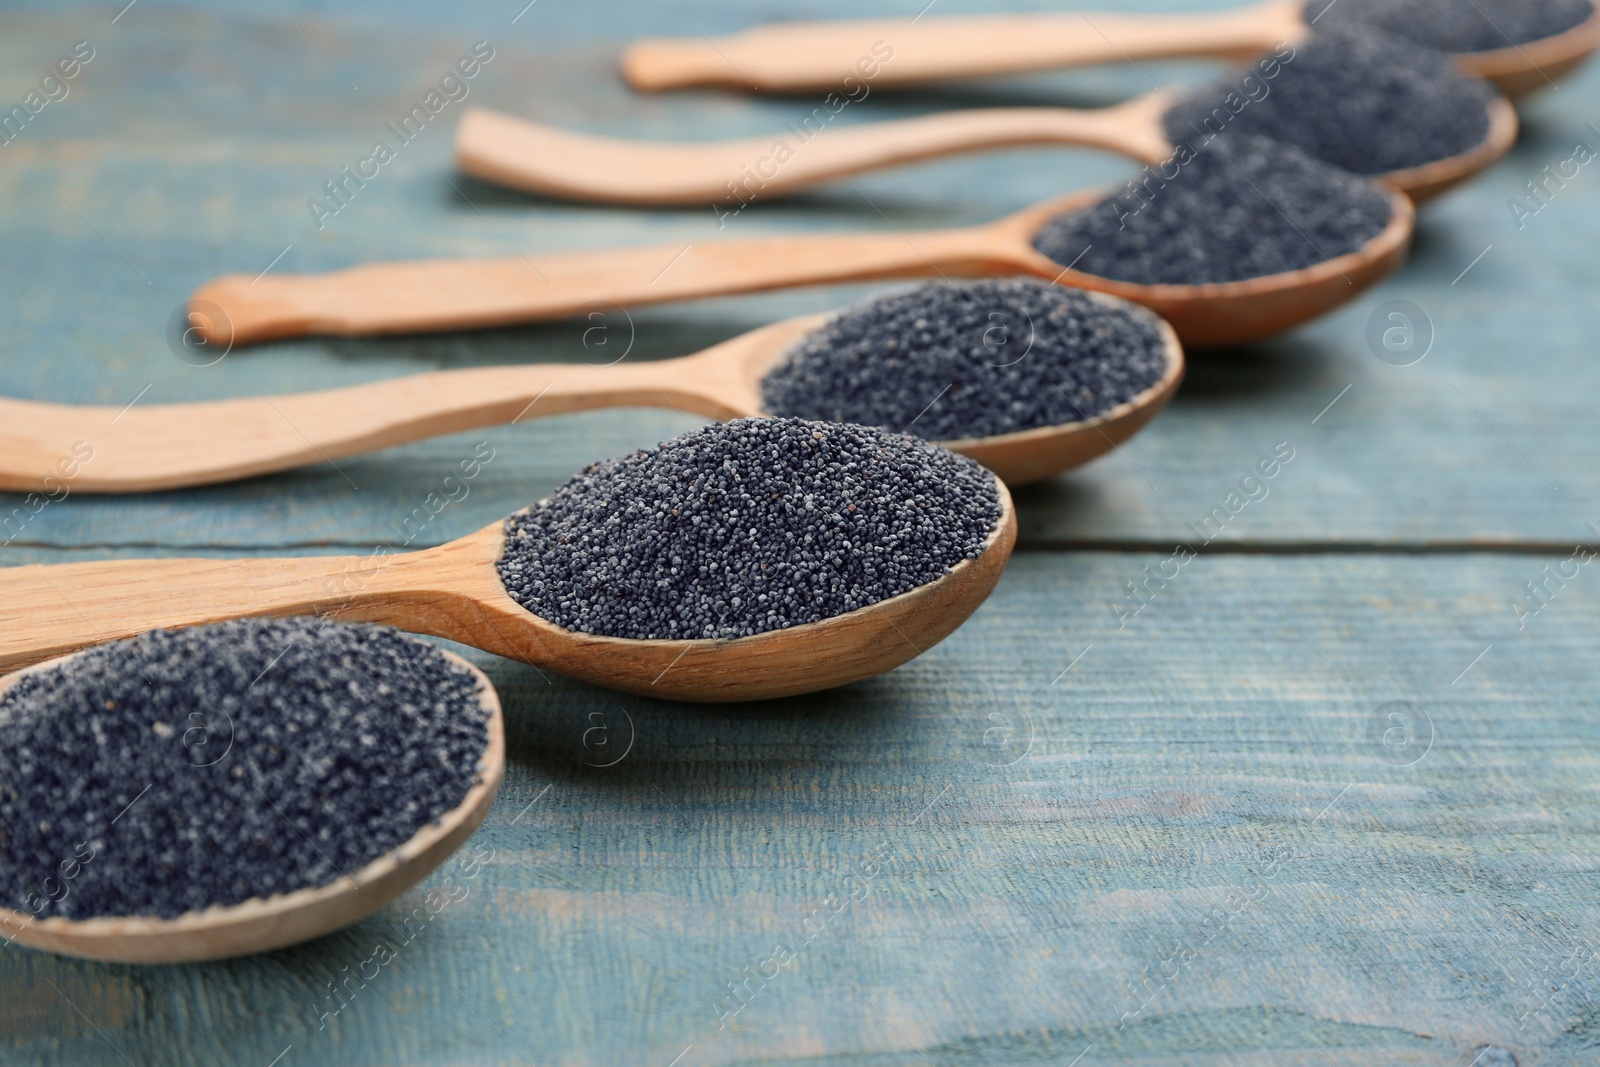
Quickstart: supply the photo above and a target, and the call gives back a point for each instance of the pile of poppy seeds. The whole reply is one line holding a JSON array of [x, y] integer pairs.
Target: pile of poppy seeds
[[1456, 25], [179, 770], [1237, 207], [747, 527], [1362, 100], [971, 359]]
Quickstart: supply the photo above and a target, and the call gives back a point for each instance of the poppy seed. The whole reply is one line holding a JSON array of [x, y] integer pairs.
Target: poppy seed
[[1456, 25], [1358, 99], [744, 527], [1237, 207], [180, 770], [948, 361]]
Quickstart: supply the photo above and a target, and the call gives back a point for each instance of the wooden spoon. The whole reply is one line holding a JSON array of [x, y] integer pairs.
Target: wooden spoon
[[261, 924], [453, 591], [451, 294], [1528, 68], [170, 446], [819, 56], [543, 159]]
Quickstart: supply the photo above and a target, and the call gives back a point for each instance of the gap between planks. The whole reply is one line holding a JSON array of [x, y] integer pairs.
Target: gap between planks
[[1131, 546]]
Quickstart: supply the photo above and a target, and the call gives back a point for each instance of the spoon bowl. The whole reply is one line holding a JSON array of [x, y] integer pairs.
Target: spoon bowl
[[169, 446], [1423, 183], [549, 161], [454, 294], [262, 924], [1028, 456], [819, 56], [1219, 314], [453, 591], [1528, 68]]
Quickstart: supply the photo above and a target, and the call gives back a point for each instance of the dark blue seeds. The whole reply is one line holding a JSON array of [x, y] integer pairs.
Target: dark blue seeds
[[1456, 25], [1362, 100], [183, 769], [1238, 207], [970, 359], [745, 527]]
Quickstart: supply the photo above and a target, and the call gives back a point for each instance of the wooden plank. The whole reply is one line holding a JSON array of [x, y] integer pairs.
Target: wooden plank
[[1485, 440], [1223, 751], [1064, 800]]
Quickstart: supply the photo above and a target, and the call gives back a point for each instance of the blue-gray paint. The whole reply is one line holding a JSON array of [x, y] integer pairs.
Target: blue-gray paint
[[1039, 836]]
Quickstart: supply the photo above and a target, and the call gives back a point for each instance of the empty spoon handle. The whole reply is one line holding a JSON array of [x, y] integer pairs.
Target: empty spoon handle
[[855, 56], [48, 611], [447, 294], [166, 446], [543, 159]]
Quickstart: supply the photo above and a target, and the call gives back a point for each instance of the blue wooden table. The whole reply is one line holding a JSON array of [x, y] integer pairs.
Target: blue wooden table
[[1329, 795]]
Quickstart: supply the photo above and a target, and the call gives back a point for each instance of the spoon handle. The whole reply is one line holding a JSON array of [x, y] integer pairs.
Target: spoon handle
[[448, 294], [554, 162], [855, 56], [50, 448], [48, 611]]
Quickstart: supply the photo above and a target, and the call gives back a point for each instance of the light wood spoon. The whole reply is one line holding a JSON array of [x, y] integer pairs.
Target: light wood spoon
[[543, 159], [819, 56], [453, 591], [169, 446], [262, 924], [448, 294]]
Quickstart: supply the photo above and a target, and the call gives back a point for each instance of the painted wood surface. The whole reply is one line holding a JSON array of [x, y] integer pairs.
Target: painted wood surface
[[1201, 844], [1044, 837], [1483, 439]]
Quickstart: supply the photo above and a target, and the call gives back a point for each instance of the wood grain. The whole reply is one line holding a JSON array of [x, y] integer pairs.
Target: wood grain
[[1411, 921], [819, 56], [169, 446], [1041, 838], [411, 296], [179, 445], [420, 295], [555, 162]]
